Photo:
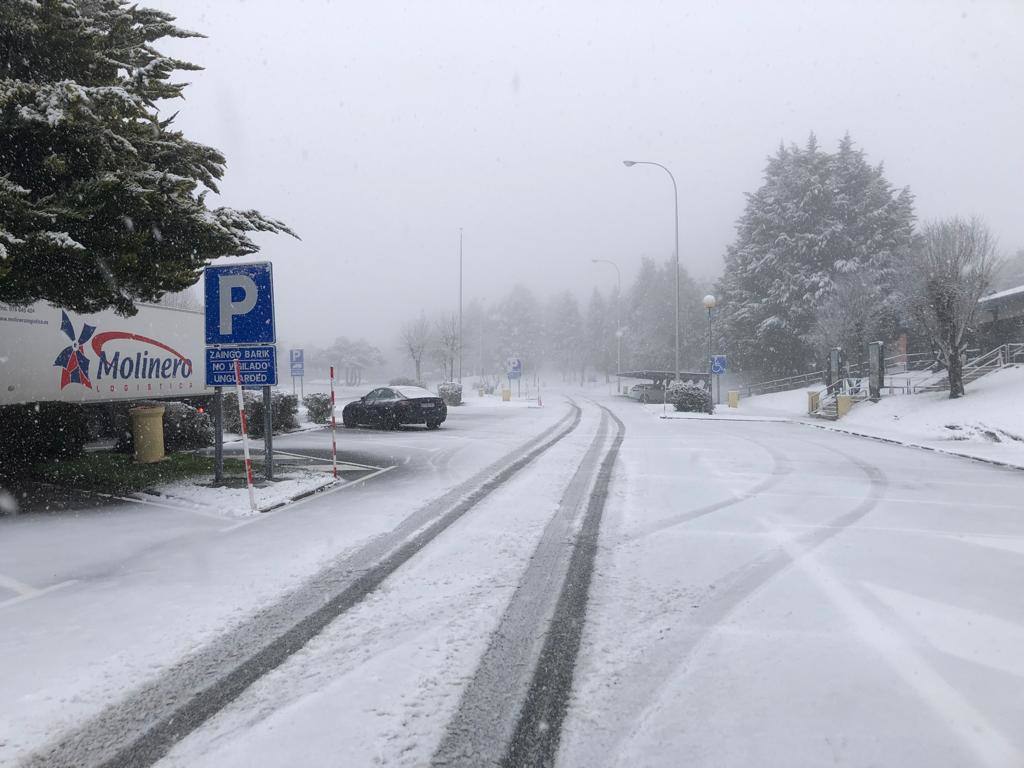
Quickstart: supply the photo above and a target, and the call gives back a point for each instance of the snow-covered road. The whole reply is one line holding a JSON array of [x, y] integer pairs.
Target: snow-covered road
[[761, 594]]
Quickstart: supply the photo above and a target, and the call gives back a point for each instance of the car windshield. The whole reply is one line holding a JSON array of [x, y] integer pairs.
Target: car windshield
[[414, 392], [578, 384]]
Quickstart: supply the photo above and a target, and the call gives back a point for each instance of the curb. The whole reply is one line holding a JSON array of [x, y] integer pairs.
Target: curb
[[892, 441]]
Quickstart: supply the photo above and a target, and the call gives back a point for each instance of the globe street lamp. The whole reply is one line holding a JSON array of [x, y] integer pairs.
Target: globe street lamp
[[618, 323], [709, 304], [675, 190]]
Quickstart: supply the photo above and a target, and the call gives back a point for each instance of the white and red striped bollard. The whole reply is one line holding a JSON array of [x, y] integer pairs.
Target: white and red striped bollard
[[334, 431], [245, 436]]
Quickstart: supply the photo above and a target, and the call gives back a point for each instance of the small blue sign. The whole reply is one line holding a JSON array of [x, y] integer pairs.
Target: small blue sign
[[296, 363], [240, 304], [718, 365], [258, 366], [514, 368]]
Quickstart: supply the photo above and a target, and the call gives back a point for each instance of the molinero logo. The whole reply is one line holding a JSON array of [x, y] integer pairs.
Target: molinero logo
[[145, 366]]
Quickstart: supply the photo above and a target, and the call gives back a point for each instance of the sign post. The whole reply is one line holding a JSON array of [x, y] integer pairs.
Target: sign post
[[298, 368], [240, 347], [334, 432], [514, 371], [718, 367], [218, 440]]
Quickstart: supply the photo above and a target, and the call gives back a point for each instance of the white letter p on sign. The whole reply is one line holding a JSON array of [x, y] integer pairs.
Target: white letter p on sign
[[230, 308]]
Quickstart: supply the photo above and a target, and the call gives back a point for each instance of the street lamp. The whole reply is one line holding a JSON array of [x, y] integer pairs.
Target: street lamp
[[618, 323], [675, 190], [709, 304]]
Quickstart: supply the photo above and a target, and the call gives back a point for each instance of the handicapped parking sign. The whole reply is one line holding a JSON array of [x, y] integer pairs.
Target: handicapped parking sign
[[514, 367], [718, 364]]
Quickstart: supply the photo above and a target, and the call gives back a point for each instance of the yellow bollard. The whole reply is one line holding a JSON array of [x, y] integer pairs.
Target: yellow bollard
[[843, 405], [148, 433], [813, 399], [734, 398], [506, 395]]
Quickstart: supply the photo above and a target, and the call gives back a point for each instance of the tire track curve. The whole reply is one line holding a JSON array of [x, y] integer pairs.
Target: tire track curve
[[723, 598], [142, 728]]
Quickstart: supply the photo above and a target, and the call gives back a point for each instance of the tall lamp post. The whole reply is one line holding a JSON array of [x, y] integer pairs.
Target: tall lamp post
[[460, 305], [618, 323], [709, 304], [675, 190]]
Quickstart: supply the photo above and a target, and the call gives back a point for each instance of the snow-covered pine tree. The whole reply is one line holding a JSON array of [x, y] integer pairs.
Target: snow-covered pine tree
[[815, 217], [102, 201]]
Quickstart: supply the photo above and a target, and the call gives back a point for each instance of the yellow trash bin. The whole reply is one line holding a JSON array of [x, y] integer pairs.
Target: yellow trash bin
[[506, 395], [148, 433], [813, 398], [734, 398], [843, 405]]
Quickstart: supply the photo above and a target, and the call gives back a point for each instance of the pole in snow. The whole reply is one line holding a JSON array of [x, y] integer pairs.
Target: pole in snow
[[460, 305], [334, 432], [245, 438]]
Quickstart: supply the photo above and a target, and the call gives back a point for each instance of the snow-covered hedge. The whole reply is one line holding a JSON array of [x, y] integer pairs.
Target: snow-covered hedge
[[450, 392], [283, 409], [689, 397], [318, 406], [185, 428], [39, 432]]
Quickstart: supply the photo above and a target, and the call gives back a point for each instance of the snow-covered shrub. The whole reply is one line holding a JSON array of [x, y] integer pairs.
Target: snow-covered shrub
[[186, 428], [283, 410], [450, 392], [318, 406], [38, 432], [689, 397]]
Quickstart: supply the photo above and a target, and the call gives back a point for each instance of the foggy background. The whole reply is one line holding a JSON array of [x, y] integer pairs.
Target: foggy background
[[377, 129]]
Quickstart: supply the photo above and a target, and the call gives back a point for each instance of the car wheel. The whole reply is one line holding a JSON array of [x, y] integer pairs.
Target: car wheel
[[349, 421], [433, 424]]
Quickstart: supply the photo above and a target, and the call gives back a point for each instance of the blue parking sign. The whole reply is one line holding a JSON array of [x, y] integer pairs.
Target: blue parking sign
[[240, 304]]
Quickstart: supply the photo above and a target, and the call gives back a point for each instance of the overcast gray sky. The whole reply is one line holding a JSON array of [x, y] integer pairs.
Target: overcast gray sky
[[377, 129]]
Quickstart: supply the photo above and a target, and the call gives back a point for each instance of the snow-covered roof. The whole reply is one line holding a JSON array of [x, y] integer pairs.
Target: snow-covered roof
[[413, 392], [1003, 294]]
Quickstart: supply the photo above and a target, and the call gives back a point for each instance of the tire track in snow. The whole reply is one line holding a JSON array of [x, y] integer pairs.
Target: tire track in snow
[[781, 468], [641, 688], [141, 729], [512, 710]]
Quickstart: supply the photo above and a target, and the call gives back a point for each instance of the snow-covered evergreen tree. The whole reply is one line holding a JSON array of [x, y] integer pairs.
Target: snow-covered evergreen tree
[[102, 201], [649, 314], [816, 216]]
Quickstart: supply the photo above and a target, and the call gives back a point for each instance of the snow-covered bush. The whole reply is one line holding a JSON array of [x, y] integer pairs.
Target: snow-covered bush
[[689, 397], [38, 432], [283, 410], [450, 392], [186, 428], [318, 406]]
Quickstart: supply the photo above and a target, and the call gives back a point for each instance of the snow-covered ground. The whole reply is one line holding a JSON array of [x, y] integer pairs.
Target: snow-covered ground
[[291, 483], [96, 602], [988, 423], [763, 594]]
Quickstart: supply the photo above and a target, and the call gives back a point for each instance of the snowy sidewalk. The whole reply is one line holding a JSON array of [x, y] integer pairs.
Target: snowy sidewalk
[[985, 425]]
